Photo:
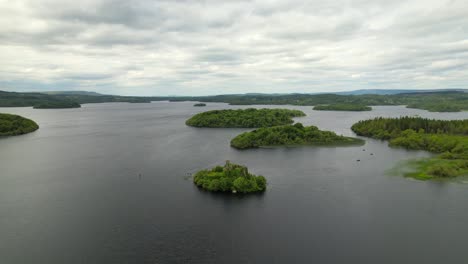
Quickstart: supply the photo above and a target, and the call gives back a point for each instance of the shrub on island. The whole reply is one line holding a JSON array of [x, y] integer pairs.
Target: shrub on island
[[12, 125], [199, 105], [290, 135], [229, 178], [244, 118]]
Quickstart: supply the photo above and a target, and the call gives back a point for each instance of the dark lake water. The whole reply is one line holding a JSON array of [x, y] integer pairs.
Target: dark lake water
[[70, 193]]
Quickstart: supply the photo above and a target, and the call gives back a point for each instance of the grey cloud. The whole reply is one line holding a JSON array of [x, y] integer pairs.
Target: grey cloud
[[190, 47], [217, 57], [87, 76]]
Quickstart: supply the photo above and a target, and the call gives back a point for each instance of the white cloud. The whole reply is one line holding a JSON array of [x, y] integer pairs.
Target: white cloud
[[209, 47]]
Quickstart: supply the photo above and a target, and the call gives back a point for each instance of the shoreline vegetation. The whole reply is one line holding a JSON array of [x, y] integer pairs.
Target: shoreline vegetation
[[231, 177], [342, 107], [57, 105], [244, 118], [438, 106], [291, 135], [436, 101], [64, 99], [448, 138], [14, 125]]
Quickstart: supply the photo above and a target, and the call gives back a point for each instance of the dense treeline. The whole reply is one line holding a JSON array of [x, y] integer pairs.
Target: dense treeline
[[37, 100], [65, 100], [57, 105], [437, 106], [342, 107], [230, 178], [387, 128], [449, 138], [446, 101], [441, 101], [246, 118], [290, 135], [12, 125]]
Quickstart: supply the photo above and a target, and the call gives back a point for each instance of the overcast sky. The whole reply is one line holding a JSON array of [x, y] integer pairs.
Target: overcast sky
[[185, 47]]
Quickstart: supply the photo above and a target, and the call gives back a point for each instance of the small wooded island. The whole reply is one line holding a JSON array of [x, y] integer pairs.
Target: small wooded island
[[13, 125], [244, 118], [199, 105], [56, 105], [290, 135], [342, 107], [449, 138], [231, 177]]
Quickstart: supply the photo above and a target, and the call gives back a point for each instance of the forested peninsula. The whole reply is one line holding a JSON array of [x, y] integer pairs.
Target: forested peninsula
[[449, 138], [62, 99], [290, 135], [244, 118], [342, 107], [13, 125], [231, 177]]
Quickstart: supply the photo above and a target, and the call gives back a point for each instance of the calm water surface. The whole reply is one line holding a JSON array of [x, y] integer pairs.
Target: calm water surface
[[71, 193]]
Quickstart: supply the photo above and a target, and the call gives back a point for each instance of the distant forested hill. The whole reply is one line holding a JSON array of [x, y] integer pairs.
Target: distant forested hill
[[438, 101], [61, 100], [446, 101]]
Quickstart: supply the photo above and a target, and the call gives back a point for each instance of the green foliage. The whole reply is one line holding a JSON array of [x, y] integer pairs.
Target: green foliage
[[426, 169], [451, 101], [386, 128], [65, 100], [230, 178], [290, 135], [12, 125], [442, 170], [57, 105], [439, 136], [199, 105], [448, 101], [247, 118], [450, 106], [342, 107]]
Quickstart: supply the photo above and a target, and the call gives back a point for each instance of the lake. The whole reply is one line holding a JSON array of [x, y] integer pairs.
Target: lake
[[109, 183]]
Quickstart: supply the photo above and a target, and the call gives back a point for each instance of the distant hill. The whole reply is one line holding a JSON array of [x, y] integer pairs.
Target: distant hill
[[442, 100], [397, 91], [67, 99], [354, 92]]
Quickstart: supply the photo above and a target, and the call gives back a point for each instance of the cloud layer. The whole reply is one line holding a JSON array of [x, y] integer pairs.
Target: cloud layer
[[145, 47]]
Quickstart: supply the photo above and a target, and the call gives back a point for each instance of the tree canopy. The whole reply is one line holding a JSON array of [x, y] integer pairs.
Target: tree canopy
[[244, 118], [57, 105], [447, 137], [229, 178], [62, 100], [12, 125], [290, 135], [343, 107]]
